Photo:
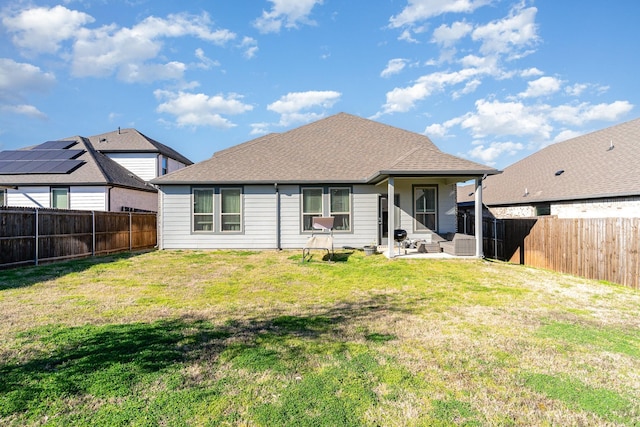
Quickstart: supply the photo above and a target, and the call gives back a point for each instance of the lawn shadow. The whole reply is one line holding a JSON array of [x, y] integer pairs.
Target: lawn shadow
[[22, 277], [117, 360]]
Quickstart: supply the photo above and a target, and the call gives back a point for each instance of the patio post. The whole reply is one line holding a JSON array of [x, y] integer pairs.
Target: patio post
[[391, 216], [478, 222]]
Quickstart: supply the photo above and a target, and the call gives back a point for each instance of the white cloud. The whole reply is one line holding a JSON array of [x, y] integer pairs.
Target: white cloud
[[419, 10], [289, 13], [42, 29], [579, 114], [506, 118], [23, 110], [199, 109], [510, 36], [488, 154], [468, 88], [401, 100], [541, 87], [394, 66], [17, 79], [292, 106], [205, 62], [448, 35], [567, 134], [250, 46], [531, 72], [436, 130], [127, 51]]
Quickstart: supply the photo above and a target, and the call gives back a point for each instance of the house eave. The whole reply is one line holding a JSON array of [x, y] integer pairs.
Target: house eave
[[463, 174], [532, 200]]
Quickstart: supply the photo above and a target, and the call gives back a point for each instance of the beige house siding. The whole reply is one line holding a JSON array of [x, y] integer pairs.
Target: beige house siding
[[598, 208], [123, 197]]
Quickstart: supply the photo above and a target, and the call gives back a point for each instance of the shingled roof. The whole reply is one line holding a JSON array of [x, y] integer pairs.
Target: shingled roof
[[601, 164], [338, 149], [131, 140], [96, 169]]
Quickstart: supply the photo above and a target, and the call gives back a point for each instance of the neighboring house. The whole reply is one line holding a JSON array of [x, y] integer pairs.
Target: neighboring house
[[265, 192], [593, 175], [74, 173], [145, 157]]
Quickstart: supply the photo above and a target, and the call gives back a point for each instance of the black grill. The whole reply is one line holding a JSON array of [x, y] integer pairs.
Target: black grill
[[399, 235]]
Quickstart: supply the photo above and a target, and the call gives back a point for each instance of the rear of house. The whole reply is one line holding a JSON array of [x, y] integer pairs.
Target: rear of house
[[264, 193]]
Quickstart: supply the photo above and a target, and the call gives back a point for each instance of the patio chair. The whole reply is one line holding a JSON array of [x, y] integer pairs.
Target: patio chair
[[321, 237]]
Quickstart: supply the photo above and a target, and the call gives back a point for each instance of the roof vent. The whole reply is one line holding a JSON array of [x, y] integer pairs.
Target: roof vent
[[103, 139], [611, 146], [526, 192], [559, 172]]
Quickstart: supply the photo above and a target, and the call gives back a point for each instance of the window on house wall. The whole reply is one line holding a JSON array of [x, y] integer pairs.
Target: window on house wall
[[230, 209], [340, 208], [335, 202], [312, 206], [165, 166], [203, 209], [425, 208], [60, 197], [543, 209]]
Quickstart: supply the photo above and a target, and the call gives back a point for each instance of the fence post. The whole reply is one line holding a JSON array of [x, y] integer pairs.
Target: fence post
[[495, 238], [130, 233], [36, 237], [93, 233]]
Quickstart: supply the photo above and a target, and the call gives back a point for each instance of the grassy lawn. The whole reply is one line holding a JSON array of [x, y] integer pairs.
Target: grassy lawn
[[258, 338]]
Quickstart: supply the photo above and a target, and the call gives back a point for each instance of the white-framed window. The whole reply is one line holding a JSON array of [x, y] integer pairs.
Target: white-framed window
[[326, 201], [425, 208], [3, 197], [217, 209], [230, 209], [60, 197], [340, 208], [312, 205], [203, 209]]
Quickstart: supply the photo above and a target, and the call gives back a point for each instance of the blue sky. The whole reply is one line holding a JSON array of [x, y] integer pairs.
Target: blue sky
[[488, 80]]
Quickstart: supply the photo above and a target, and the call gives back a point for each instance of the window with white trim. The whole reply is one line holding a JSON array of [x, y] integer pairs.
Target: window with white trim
[[312, 206], [60, 197], [230, 209], [323, 201], [425, 208], [203, 209], [340, 208]]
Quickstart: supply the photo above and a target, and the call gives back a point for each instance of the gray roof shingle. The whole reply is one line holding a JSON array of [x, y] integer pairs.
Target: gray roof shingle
[[592, 169], [340, 148]]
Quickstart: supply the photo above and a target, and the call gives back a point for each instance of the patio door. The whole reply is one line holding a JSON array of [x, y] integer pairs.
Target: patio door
[[383, 217]]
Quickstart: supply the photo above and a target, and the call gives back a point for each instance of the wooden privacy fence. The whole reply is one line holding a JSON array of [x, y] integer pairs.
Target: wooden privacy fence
[[595, 248], [29, 236]]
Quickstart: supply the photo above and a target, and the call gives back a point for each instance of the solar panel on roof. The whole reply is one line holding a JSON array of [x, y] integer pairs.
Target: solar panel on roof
[[55, 145], [25, 167], [40, 154]]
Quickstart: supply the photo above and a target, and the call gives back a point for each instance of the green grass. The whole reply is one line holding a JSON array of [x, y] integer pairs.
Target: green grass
[[259, 338]]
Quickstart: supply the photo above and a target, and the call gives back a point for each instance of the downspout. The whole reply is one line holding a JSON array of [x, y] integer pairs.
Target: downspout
[[278, 227]]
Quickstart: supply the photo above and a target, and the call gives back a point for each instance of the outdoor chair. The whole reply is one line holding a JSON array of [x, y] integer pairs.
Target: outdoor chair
[[321, 237]]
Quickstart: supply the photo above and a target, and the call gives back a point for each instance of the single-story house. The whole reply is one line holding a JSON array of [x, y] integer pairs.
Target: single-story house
[[591, 176], [264, 193], [75, 173]]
